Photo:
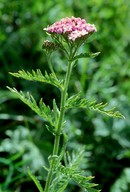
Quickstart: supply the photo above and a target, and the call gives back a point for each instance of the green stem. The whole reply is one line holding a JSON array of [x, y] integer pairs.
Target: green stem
[[59, 127], [50, 65]]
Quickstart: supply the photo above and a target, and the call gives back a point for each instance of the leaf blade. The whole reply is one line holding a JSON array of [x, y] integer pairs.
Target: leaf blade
[[38, 76], [41, 109], [86, 55], [78, 102]]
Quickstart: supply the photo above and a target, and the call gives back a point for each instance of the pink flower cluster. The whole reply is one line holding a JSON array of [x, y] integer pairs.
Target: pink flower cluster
[[73, 27]]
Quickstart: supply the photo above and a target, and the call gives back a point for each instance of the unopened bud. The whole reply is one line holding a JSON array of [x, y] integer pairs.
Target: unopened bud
[[49, 46]]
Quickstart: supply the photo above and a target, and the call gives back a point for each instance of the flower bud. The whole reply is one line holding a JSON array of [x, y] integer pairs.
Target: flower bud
[[49, 46]]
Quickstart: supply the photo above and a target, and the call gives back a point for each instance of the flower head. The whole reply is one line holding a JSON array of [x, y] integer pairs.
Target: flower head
[[74, 28]]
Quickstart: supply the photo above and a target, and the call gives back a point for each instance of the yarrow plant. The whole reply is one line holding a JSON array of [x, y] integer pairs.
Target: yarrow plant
[[68, 35]]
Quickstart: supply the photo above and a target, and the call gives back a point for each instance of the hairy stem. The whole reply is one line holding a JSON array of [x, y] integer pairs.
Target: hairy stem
[[50, 65], [59, 127]]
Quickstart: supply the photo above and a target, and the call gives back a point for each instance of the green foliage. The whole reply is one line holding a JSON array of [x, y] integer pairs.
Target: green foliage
[[71, 171], [77, 101], [7, 165], [42, 110], [85, 55], [19, 145], [22, 153], [59, 183], [123, 183], [38, 76]]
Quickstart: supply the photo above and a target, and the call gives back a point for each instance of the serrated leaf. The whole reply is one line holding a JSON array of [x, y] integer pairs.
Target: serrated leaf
[[82, 181], [38, 76], [63, 174], [60, 180], [60, 183], [71, 170], [42, 110], [76, 158], [5, 96], [86, 55], [76, 101], [37, 183]]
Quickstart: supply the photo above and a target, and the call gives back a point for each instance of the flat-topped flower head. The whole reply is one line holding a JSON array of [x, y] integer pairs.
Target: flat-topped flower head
[[73, 28]]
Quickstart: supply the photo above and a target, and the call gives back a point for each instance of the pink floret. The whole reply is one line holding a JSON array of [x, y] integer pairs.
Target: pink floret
[[72, 27]]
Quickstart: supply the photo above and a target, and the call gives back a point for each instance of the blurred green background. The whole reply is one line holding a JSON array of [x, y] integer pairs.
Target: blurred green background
[[24, 140]]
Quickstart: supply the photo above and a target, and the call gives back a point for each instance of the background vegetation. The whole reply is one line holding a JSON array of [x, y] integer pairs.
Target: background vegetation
[[24, 140]]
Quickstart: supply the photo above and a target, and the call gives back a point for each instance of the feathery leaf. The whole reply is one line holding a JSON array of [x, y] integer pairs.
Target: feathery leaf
[[41, 109], [38, 76], [76, 101], [71, 172], [60, 183], [85, 55]]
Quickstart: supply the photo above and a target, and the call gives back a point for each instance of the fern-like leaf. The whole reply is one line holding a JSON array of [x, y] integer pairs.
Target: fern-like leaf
[[82, 181], [85, 55], [75, 159], [41, 109], [76, 101], [38, 76], [71, 171], [60, 183]]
